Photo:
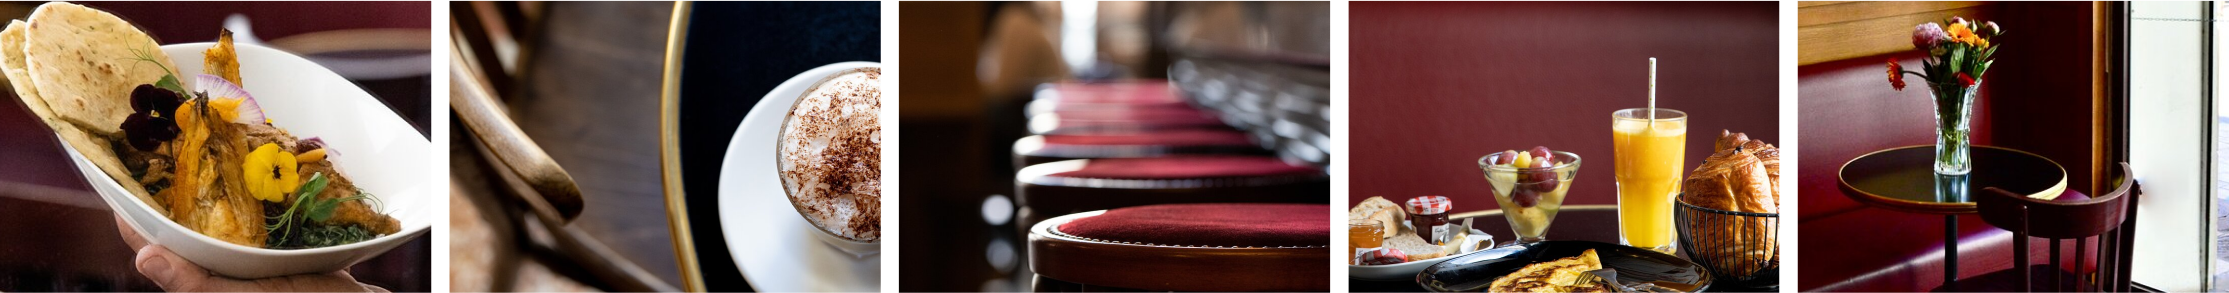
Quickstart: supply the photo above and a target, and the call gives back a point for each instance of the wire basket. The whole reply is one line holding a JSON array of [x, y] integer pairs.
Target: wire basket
[[1737, 247]]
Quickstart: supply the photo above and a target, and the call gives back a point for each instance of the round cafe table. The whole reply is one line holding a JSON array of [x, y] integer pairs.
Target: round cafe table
[[1904, 179]]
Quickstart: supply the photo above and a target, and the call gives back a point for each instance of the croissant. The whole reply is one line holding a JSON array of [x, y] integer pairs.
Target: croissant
[[1740, 175], [1763, 151]]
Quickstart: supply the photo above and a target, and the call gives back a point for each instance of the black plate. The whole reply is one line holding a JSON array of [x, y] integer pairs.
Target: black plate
[[1471, 273]]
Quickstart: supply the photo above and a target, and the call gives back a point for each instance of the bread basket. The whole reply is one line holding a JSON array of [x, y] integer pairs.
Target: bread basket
[[1738, 247]]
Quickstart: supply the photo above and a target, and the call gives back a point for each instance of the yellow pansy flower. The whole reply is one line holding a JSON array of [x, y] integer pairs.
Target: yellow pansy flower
[[270, 173]]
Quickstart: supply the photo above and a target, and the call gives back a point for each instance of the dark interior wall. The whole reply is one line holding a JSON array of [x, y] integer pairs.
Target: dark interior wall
[[1438, 85]]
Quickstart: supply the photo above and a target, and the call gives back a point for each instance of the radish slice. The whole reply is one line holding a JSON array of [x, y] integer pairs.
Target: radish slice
[[218, 88]]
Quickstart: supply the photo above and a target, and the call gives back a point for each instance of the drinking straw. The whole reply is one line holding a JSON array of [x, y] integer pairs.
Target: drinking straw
[[1652, 92]]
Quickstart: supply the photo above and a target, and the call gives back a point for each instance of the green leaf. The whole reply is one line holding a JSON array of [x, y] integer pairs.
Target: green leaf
[[304, 196], [315, 185], [170, 82], [318, 209], [1957, 59], [322, 209], [170, 78]]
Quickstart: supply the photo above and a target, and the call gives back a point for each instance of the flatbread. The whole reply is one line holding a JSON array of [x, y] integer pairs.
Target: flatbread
[[85, 63], [18, 59], [11, 50], [96, 149]]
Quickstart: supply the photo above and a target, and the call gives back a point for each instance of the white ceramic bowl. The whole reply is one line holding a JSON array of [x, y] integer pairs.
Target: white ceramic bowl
[[817, 77], [378, 151]]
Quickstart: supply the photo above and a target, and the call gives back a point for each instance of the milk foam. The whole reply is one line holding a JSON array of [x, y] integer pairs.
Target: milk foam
[[830, 155]]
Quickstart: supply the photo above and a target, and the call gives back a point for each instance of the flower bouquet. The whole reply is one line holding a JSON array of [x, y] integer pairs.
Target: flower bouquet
[[1958, 53]]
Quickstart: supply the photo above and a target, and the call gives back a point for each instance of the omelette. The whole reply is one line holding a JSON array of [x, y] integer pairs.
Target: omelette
[[1560, 275]]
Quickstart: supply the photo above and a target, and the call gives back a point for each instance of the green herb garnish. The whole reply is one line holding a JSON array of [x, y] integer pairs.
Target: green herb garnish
[[307, 208], [170, 77]]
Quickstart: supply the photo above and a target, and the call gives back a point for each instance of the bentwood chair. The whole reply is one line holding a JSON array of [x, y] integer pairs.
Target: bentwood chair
[[525, 199], [2108, 217]]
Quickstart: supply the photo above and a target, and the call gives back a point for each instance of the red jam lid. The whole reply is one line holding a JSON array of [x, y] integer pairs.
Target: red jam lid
[[1217, 225], [1428, 205]]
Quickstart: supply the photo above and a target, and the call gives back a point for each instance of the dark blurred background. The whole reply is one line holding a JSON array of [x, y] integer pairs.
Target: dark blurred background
[[972, 66]]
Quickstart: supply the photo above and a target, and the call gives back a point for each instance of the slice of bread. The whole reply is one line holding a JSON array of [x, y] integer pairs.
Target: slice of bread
[[1415, 247], [1385, 212]]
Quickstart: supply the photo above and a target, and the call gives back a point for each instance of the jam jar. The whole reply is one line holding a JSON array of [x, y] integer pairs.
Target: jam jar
[[1428, 215], [1363, 236]]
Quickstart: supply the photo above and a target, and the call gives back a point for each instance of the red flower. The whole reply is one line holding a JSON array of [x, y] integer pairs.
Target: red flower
[[1965, 80], [1895, 74]]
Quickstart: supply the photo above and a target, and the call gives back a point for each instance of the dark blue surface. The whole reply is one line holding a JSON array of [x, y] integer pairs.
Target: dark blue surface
[[735, 53]]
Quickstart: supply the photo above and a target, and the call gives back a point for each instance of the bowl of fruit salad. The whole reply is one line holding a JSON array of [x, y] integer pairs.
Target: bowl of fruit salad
[[1530, 186]]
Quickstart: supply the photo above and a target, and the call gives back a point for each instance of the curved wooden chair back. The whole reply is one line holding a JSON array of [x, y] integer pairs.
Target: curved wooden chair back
[[2109, 217]]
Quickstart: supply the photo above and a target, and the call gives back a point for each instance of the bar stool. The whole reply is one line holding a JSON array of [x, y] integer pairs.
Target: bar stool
[[1124, 118], [1073, 186], [1052, 98], [1186, 247], [1045, 148]]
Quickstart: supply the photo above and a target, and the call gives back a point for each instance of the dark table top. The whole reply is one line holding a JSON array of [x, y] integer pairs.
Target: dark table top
[[1576, 222], [735, 53], [1904, 178]]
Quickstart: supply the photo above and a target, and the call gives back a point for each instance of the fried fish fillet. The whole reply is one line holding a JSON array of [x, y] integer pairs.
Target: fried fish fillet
[[203, 196], [354, 212], [1560, 275]]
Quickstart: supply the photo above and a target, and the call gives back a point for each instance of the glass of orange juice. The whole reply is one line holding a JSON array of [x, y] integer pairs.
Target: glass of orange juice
[[1649, 154]]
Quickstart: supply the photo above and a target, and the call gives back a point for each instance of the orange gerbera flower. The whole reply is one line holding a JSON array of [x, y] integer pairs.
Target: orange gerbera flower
[[1961, 33], [1895, 74]]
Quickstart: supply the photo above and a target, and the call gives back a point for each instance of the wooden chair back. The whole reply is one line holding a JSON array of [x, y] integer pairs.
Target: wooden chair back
[[2108, 217]]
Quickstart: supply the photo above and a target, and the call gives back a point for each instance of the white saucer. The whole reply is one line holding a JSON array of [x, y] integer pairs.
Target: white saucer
[[773, 245]]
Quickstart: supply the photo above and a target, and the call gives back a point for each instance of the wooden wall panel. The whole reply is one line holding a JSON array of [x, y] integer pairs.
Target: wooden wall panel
[[1829, 31], [1866, 37]]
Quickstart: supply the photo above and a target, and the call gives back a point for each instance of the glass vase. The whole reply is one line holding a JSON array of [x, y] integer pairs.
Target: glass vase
[[1954, 109]]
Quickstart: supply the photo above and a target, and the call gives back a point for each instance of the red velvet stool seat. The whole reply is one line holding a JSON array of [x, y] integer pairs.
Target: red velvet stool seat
[[1074, 186], [1039, 149], [1130, 91], [1041, 107], [1148, 93], [1188, 247], [1123, 119]]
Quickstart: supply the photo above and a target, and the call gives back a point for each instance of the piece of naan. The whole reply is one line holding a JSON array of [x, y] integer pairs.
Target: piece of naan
[[16, 51], [85, 63]]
